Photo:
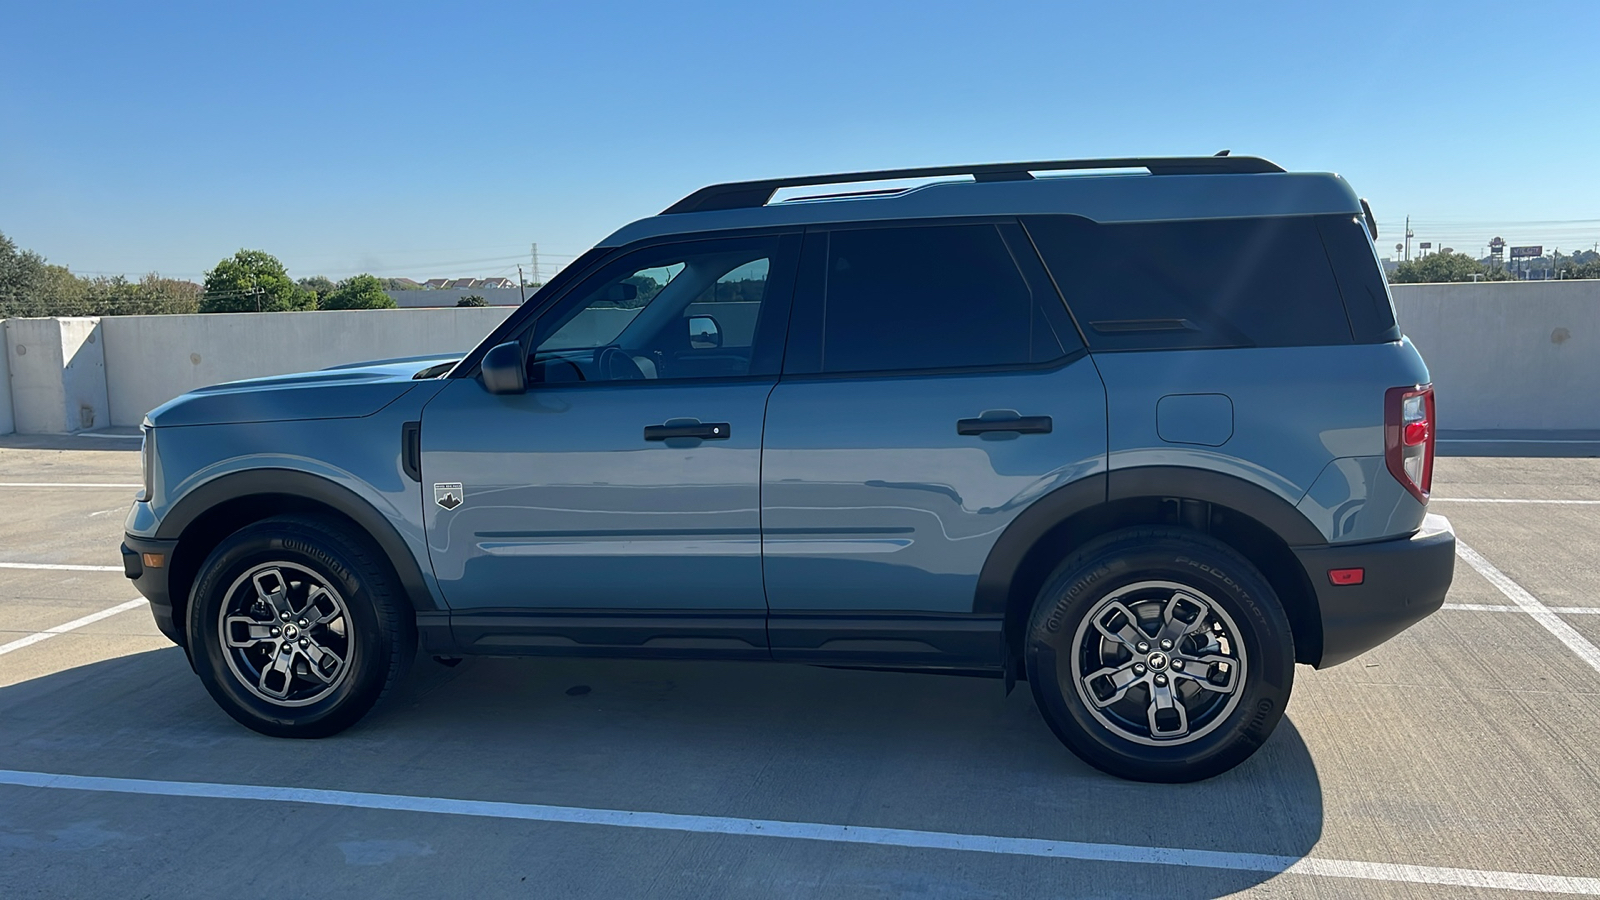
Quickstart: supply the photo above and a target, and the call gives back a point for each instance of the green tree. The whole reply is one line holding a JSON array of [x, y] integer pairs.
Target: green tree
[[358, 292], [30, 286], [321, 285], [400, 284], [150, 295], [472, 300], [1590, 269], [253, 281], [1440, 267]]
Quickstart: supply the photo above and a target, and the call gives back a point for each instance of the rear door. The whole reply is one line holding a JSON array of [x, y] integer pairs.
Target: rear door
[[933, 387]]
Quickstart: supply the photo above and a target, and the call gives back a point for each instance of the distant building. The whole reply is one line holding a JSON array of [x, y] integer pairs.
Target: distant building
[[434, 284]]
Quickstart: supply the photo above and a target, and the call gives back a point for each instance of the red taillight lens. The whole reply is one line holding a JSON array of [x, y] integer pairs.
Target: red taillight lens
[[1408, 435]]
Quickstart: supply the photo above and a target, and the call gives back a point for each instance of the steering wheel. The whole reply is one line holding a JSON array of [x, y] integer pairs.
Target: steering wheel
[[614, 364]]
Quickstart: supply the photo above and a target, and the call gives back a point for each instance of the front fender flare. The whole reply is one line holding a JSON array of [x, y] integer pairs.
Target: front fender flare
[[294, 483]]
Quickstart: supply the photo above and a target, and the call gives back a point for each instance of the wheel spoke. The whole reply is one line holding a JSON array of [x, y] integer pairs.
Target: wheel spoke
[[324, 663], [243, 631], [277, 676], [320, 607], [1121, 677], [1199, 669], [273, 589], [1168, 716], [1127, 634], [1173, 625]]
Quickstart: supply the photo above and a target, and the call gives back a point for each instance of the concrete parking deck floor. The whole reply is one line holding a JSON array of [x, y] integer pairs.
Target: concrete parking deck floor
[[1458, 760]]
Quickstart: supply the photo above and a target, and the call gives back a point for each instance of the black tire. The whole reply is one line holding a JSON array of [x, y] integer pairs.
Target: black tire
[[373, 636], [1244, 617]]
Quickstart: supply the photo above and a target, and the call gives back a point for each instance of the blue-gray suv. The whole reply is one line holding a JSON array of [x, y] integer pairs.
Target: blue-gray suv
[[1144, 438]]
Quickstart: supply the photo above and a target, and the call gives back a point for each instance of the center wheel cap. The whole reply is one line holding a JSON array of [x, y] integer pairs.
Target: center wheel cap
[[291, 632], [1156, 661]]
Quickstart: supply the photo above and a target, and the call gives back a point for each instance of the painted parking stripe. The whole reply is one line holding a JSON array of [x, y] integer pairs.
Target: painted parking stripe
[[1513, 500], [59, 567], [1492, 607], [75, 624], [68, 484], [1530, 604], [814, 831]]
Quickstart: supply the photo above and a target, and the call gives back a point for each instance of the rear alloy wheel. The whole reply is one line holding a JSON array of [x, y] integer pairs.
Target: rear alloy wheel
[[298, 626], [1160, 654]]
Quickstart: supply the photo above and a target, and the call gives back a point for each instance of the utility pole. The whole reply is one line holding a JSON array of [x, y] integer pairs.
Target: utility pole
[[536, 264], [1408, 238], [521, 289]]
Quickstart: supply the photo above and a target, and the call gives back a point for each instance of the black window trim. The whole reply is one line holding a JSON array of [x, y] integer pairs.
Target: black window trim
[[1038, 291]]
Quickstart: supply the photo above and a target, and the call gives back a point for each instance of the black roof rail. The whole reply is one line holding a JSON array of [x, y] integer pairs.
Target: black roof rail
[[751, 194]]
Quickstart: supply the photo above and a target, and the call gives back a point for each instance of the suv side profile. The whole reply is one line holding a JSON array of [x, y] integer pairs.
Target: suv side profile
[[1144, 439]]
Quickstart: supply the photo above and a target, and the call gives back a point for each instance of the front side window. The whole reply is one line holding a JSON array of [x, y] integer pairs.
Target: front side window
[[685, 310], [928, 297]]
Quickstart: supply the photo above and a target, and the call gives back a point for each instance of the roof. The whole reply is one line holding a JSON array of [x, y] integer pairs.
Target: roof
[[1184, 188]]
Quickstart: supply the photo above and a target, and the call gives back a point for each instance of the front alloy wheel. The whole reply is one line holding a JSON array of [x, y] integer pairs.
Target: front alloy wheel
[[287, 633], [297, 626]]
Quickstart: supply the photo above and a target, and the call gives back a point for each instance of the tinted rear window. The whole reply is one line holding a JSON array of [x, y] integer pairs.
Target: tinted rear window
[[1366, 294], [1263, 282], [930, 297]]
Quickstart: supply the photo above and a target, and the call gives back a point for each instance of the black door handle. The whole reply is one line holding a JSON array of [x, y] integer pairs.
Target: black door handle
[[1020, 425], [705, 431]]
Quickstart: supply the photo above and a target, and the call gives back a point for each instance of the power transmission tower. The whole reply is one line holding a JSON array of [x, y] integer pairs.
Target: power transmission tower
[[536, 264]]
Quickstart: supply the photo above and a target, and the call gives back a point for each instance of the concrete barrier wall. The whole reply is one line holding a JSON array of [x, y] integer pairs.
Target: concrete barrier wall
[[1508, 355], [1523, 355], [8, 422], [151, 359], [58, 375]]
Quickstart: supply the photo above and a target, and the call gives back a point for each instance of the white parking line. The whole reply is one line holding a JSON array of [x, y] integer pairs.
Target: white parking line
[[68, 484], [1492, 607], [1530, 604], [814, 831], [90, 619], [1515, 500], [60, 567]]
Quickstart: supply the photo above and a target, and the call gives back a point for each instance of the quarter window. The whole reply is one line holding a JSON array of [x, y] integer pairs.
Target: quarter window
[[1262, 282]]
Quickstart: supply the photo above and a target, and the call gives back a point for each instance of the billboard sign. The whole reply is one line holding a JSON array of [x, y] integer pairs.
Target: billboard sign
[[1526, 252]]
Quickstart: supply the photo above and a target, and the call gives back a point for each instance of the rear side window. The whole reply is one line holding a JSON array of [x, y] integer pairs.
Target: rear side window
[[1262, 282], [927, 297]]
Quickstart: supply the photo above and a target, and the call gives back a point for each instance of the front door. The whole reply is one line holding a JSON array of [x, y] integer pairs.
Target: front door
[[627, 479]]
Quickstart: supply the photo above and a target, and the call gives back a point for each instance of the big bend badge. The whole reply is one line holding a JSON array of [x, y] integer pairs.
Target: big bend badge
[[448, 494]]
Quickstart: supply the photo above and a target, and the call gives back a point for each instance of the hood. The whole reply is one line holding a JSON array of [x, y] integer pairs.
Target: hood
[[342, 392]]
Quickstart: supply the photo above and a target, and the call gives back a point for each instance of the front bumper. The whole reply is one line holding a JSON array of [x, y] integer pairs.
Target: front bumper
[[151, 582], [1406, 580]]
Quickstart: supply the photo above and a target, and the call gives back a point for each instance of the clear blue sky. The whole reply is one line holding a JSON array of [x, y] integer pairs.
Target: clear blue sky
[[442, 140]]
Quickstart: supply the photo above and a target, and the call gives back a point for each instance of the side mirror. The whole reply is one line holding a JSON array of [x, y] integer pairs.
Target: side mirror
[[503, 371], [622, 292], [704, 332]]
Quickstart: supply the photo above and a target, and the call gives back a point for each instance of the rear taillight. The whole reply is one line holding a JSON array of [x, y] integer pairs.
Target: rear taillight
[[1408, 435]]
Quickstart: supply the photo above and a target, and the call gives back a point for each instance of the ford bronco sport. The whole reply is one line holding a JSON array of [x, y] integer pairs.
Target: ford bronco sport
[[1145, 439]]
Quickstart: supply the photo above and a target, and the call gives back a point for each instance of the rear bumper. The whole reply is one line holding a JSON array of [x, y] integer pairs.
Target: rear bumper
[[151, 582], [1406, 580]]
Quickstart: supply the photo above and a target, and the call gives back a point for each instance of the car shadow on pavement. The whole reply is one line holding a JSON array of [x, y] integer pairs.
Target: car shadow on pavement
[[745, 740]]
